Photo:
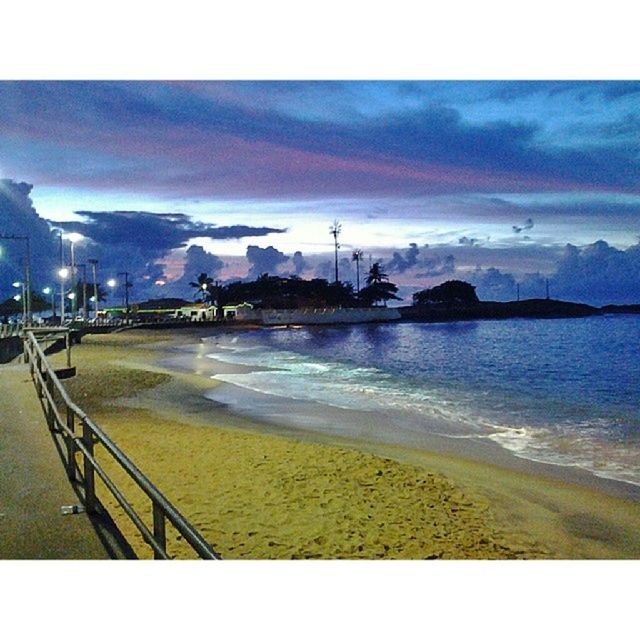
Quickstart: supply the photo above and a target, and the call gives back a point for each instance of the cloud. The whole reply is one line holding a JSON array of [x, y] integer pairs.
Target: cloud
[[400, 263], [525, 227], [435, 265], [326, 270], [492, 284], [159, 231], [18, 217], [264, 260], [299, 263], [197, 261], [598, 273], [187, 139]]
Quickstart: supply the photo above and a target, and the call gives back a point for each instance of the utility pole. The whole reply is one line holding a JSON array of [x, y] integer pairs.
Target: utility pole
[[74, 304], [93, 264], [84, 291], [518, 291], [62, 277], [547, 284], [335, 230]]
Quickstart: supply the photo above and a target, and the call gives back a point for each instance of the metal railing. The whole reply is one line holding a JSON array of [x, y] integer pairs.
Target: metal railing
[[10, 330], [81, 434]]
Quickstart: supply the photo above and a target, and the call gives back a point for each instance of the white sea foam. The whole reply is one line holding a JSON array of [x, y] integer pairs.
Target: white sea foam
[[453, 412]]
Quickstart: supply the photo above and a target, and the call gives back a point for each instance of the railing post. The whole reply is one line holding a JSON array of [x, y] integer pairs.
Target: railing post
[[89, 477], [67, 344], [159, 531], [71, 446]]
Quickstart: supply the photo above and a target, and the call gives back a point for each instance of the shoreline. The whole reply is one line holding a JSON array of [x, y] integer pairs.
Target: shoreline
[[541, 516], [366, 428]]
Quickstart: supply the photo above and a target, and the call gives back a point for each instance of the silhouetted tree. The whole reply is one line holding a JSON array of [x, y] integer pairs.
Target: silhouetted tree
[[450, 292], [376, 275], [378, 288], [204, 288]]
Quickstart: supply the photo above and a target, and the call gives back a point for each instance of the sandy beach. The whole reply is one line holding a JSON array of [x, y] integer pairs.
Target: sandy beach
[[258, 491]]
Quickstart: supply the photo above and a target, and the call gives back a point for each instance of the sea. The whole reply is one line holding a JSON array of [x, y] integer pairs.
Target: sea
[[557, 391]]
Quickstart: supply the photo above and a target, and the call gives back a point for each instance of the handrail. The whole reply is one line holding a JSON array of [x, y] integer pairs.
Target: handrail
[[47, 385]]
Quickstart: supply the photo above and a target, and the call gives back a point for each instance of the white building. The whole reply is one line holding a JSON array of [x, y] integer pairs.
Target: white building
[[198, 312]]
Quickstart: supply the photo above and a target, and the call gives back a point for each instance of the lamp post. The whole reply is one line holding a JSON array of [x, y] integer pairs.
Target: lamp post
[[111, 283], [49, 291], [94, 264], [63, 274], [73, 238], [84, 291], [22, 297]]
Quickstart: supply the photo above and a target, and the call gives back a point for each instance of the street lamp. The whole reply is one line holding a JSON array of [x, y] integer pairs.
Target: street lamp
[[94, 264], [73, 238], [49, 291], [22, 297], [84, 290], [63, 274]]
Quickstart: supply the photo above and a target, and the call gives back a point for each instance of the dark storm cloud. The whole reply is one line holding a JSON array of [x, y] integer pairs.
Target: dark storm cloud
[[159, 231], [595, 274], [436, 265], [264, 260], [18, 217], [197, 261], [598, 273], [399, 263], [493, 284]]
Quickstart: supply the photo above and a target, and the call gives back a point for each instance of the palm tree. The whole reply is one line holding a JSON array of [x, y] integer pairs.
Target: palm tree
[[356, 256], [203, 286], [378, 288], [376, 275]]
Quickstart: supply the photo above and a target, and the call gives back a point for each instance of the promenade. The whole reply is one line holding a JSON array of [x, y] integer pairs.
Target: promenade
[[34, 486]]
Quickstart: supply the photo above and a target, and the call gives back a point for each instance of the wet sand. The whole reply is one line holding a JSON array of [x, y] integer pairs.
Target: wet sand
[[258, 490]]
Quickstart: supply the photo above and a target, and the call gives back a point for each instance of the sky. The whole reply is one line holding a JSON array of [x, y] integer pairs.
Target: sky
[[497, 183]]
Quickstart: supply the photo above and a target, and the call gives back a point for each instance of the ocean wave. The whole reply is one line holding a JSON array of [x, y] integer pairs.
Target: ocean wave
[[537, 431]]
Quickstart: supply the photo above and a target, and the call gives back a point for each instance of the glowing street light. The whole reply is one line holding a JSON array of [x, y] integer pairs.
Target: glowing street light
[[49, 291], [63, 274], [18, 297], [111, 283], [94, 264], [73, 238]]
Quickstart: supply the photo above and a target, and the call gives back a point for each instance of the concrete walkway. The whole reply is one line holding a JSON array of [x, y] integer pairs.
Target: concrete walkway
[[34, 485]]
